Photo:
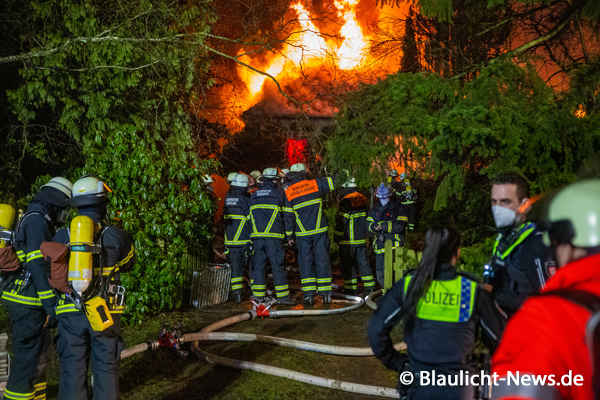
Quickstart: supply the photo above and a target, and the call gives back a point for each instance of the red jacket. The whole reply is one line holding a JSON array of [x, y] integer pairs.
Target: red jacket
[[547, 336]]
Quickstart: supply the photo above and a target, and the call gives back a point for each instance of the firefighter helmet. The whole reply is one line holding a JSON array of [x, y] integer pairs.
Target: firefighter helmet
[[393, 173], [255, 174], [298, 167], [207, 179], [574, 215], [88, 190], [269, 173], [383, 192], [350, 183], [403, 176], [240, 180], [231, 176], [62, 184], [285, 171]]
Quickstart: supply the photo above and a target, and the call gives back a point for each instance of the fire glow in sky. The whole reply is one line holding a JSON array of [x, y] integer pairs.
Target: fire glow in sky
[[321, 57]]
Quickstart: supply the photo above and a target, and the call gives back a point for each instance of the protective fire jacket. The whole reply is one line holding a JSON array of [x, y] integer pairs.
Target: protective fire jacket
[[236, 213], [521, 264], [444, 334], [266, 211], [351, 219], [35, 228], [118, 255], [392, 219], [547, 336], [303, 212]]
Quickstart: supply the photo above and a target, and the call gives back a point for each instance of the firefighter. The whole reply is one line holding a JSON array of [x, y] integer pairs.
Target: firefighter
[[547, 336], [387, 221], [230, 177], [268, 232], [351, 235], [77, 341], [396, 183], [29, 298], [236, 213], [304, 218], [520, 263], [440, 310], [408, 199], [208, 181]]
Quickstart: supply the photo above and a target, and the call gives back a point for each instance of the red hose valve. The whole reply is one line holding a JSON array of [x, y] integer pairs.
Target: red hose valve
[[262, 311]]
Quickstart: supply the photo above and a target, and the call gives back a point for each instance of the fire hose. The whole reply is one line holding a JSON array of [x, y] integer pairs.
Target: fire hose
[[207, 334]]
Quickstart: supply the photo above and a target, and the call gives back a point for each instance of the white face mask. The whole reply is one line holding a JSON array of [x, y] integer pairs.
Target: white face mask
[[384, 201], [503, 216]]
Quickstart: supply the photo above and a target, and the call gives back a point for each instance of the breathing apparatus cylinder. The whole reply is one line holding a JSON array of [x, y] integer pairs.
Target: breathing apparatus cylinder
[[407, 185], [80, 262], [7, 218]]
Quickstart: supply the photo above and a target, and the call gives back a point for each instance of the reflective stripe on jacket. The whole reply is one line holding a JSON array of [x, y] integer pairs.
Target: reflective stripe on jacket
[[303, 209]]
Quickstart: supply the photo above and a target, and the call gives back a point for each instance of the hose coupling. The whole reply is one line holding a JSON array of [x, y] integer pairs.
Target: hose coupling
[[153, 345]]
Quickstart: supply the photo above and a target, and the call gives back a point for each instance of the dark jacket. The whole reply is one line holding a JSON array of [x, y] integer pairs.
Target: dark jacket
[[521, 265], [266, 210], [351, 219], [444, 334], [303, 212], [34, 228], [236, 213], [392, 219]]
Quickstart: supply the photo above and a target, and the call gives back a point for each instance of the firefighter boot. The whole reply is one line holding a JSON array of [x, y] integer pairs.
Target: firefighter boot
[[238, 297], [286, 301], [309, 299], [326, 299]]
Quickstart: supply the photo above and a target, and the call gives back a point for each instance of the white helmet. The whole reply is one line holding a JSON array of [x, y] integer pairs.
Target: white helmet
[[298, 167], [62, 184], [240, 180], [350, 183], [403, 176], [255, 174], [269, 173], [231, 176], [285, 171], [207, 179], [88, 190]]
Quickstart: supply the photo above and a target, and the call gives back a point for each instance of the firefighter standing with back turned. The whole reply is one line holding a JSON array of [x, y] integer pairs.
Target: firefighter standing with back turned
[[387, 221], [351, 235], [266, 209], [304, 218], [78, 337], [29, 298], [236, 213]]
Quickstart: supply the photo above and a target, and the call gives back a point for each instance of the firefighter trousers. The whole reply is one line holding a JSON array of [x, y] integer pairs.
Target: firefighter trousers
[[272, 250], [76, 344], [237, 259], [32, 349], [351, 258], [380, 268], [313, 259]]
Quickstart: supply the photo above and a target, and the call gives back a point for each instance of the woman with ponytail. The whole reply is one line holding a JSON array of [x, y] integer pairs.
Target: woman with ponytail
[[441, 311]]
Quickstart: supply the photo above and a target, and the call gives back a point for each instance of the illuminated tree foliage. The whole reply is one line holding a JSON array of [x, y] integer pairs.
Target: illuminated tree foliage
[[112, 78], [458, 134]]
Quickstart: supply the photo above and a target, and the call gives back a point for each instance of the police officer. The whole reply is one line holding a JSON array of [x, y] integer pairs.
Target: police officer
[[76, 340], [236, 213], [266, 209], [387, 221], [440, 310], [351, 235], [520, 263], [29, 298], [304, 218]]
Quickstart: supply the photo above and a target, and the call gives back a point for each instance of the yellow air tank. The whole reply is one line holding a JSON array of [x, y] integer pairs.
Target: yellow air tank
[[7, 218], [80, 262]]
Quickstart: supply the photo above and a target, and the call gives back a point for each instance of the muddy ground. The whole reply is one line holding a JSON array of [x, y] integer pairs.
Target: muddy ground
[[164, 375]]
